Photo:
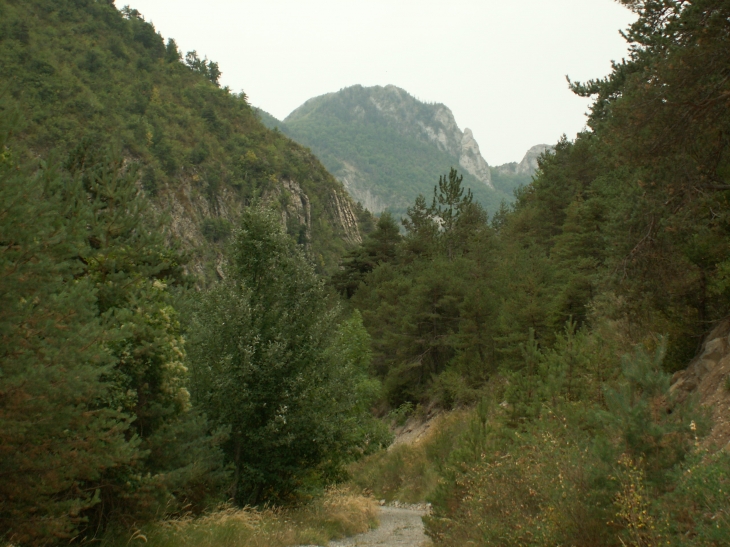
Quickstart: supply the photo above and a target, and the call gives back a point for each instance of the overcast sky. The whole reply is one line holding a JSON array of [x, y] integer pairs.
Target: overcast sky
[[500, 65]]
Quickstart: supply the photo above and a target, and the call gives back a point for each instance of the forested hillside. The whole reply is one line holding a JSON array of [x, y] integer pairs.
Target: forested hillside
[[563, 318], [84, 71]]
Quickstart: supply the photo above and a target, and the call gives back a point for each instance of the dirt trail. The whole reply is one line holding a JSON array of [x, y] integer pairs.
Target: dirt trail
[[399, 527]]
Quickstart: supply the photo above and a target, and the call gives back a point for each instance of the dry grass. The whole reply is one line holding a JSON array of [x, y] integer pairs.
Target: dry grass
[[408, 471], [339, 513]]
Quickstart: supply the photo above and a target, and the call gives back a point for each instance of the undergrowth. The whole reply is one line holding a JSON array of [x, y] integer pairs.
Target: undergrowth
[[409, 472], [339, 513]]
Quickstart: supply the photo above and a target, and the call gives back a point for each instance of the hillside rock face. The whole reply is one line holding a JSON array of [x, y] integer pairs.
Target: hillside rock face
[[707, 377], [471, 159], [187, 209], [528, 165]]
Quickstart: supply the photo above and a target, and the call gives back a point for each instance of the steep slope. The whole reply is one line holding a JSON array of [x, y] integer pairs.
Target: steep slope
[[83, 71], [387, 147], [707, 377]]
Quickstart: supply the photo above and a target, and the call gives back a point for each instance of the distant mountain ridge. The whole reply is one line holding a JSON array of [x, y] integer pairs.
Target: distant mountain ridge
[[387, 147]]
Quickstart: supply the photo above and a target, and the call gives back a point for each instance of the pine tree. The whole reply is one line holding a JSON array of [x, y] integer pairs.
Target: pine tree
[[56, 435], [134, 271], [379, 247]]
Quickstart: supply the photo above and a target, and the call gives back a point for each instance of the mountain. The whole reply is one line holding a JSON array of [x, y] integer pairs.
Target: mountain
[[82, 72], [510, 176], [387, 147]]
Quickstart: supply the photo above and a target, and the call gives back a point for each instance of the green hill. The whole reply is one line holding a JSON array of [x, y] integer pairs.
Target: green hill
[[387, 147], [81, 69]]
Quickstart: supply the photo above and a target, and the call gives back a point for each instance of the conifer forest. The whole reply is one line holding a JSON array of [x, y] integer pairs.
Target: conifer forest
[[205, 341]]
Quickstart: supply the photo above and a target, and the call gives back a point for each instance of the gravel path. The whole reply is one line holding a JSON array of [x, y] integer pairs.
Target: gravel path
[[399, 527]]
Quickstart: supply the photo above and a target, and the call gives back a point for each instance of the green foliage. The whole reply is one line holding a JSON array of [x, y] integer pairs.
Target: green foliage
[[661, 123], [270, 363], [400, 415], [507, 183], [696, 510], [94, 381], [208, 69], [414, 303], [216, 229], [608, 229], [379, 247]]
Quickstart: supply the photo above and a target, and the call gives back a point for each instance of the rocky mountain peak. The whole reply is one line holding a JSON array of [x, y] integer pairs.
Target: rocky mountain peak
[[528, 165]]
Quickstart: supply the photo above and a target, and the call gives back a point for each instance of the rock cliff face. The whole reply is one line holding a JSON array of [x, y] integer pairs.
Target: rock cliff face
[[359, 188], [708, 376], [471, 159], [188, 209]]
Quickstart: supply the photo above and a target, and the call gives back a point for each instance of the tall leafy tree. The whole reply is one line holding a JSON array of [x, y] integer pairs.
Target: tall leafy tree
[[264, 366]]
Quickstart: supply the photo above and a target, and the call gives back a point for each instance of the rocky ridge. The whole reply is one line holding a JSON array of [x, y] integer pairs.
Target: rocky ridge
[[186, 209], [528, 165]]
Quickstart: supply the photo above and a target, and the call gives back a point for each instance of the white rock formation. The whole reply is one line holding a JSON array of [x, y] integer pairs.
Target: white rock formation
[[528, 165], [471, 159]]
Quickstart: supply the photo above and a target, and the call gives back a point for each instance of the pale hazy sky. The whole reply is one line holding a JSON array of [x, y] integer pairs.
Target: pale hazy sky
[[500, 65]]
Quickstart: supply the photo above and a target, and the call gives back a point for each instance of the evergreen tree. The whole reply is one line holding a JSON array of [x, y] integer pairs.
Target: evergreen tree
[[134, 271], [378, 248], [421, 230], [57, 437]]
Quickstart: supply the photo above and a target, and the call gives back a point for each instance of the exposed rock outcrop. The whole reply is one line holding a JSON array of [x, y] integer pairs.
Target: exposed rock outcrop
[[296, 207], [707, 376], [187, 209], [528, 165], [345, 217], [357, 186], [471, 159]]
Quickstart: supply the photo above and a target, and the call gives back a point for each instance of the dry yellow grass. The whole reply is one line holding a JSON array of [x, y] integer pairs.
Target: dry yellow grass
[[339, 513]]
